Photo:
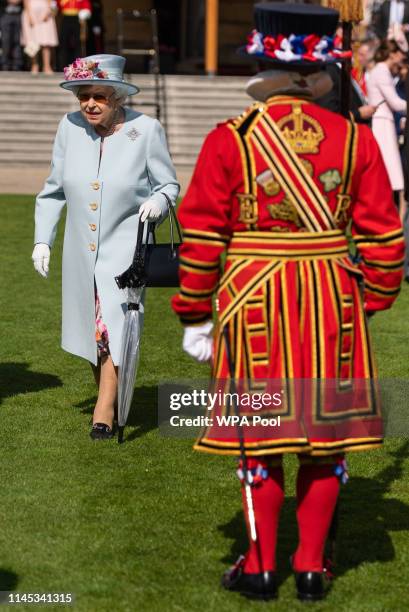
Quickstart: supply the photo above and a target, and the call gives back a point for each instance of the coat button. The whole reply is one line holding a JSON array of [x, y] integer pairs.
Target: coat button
[[93, 226], [93, 205], [92, 246], [95, 185]]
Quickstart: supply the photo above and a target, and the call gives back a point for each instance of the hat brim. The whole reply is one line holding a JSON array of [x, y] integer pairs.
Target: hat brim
[[242, 51], [124, 88]]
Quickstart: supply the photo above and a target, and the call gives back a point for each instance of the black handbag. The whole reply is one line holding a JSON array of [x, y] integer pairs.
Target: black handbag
[[154, 265]]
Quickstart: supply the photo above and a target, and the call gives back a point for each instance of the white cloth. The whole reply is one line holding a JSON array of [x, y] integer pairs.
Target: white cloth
[[396, 12], [41, 259], [198, 341]]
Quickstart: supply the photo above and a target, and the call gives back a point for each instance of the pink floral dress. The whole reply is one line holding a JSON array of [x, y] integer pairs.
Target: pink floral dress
[[101, 331]]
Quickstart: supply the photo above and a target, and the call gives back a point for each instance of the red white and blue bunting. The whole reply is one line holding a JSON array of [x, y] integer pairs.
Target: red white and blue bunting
[[296, 47]]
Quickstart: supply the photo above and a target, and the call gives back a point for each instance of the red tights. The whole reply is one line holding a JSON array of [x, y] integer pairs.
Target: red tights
[[317, 493]]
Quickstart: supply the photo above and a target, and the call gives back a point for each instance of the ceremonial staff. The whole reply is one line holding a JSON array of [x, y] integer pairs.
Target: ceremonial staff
[[248, 481], [350, 12]]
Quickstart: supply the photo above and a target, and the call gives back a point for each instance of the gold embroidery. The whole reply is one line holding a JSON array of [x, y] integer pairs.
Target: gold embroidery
[[270, 186], [343, 204], [248, 208], [285, 211], [307, 166], [303, 132]]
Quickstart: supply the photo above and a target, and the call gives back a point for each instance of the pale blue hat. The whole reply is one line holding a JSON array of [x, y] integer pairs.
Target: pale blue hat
[[101, 69]]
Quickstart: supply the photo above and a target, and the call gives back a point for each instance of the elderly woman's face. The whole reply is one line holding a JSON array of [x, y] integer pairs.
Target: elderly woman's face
[[98, 104]]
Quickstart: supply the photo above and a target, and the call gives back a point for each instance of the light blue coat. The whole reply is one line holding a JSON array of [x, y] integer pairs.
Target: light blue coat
[[103, 200]]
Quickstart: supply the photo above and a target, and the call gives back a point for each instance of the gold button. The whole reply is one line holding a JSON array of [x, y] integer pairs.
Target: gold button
[[92, 246], [93, 226], [95, 185], [93, 206]]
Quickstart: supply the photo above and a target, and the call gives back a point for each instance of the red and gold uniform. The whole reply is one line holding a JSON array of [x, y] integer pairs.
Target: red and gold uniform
[[73, 7], [70, 29], [274, 195], [289, 293]]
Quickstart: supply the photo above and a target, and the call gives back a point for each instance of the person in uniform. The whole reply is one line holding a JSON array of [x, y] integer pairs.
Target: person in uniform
[[75, 14], [273, 192]]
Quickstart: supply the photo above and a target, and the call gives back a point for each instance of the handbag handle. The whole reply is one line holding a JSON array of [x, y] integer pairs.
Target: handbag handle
[[172, 217], [140, 247]]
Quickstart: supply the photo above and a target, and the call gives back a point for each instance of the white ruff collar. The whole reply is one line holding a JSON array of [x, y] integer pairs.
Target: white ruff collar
[[274, 82]]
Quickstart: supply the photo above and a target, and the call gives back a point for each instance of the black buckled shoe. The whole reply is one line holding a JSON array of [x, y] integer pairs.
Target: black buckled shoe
[[101, 431], [254, 586], [310, 586]]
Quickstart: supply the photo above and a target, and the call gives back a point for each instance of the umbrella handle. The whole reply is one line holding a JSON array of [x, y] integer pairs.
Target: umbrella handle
[[121, 435]]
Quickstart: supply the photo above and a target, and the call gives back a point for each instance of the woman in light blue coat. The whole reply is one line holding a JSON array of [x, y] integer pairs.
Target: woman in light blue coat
[[111, 167]]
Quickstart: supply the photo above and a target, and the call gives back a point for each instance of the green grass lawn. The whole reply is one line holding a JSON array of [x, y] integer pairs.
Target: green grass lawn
[[150, 525]]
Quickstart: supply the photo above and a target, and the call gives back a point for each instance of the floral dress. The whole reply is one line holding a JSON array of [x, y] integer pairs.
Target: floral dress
[[101, 331]]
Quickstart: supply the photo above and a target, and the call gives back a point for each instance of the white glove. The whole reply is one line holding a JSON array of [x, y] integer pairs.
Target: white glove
[[41, 258], [84, 14], [150, 210], [198, 341]]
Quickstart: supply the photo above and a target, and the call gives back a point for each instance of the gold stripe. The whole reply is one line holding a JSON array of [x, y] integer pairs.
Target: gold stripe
[[196, 232], [286, 326], [254, 284], [239, 343], [190, 270], [239, 142], [345, 165], [342, 251], [256, 444], [286, 184], [197, 292], [304, 178], [209, 243], [199, 263], [398, 263], [391, 234], [317, 237], [302, 298], [380, 244], [339, 326], [321, 322], [236, 267], [193, 299]]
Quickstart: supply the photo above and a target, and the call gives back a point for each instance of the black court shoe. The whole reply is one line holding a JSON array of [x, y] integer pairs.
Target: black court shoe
[[255, 586], [101, 431], [309, 585]]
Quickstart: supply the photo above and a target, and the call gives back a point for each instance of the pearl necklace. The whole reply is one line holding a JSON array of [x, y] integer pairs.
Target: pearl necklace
[[116, 120]]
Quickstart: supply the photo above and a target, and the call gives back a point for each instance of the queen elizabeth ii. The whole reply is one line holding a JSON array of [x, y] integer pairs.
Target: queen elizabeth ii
[[111, 167]]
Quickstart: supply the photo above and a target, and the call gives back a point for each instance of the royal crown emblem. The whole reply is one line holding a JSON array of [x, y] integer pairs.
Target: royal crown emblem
[[302, 131]]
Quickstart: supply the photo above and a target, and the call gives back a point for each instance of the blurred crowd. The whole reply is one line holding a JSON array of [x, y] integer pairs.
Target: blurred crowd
[[380, 90], [43, 35]]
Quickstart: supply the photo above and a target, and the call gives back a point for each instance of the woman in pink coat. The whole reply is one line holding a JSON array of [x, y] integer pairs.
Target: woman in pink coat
[[382, 94]]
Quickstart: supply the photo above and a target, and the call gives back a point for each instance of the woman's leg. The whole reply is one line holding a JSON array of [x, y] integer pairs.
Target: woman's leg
[[107, 391], [34, 64], [96, 370], [46, 52]]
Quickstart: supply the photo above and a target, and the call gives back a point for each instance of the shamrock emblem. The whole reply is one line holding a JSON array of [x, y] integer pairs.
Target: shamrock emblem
[[330, 179]]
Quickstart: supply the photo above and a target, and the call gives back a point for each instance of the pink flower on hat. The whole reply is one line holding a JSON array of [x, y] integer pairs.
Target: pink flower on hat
[[83, 69]]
